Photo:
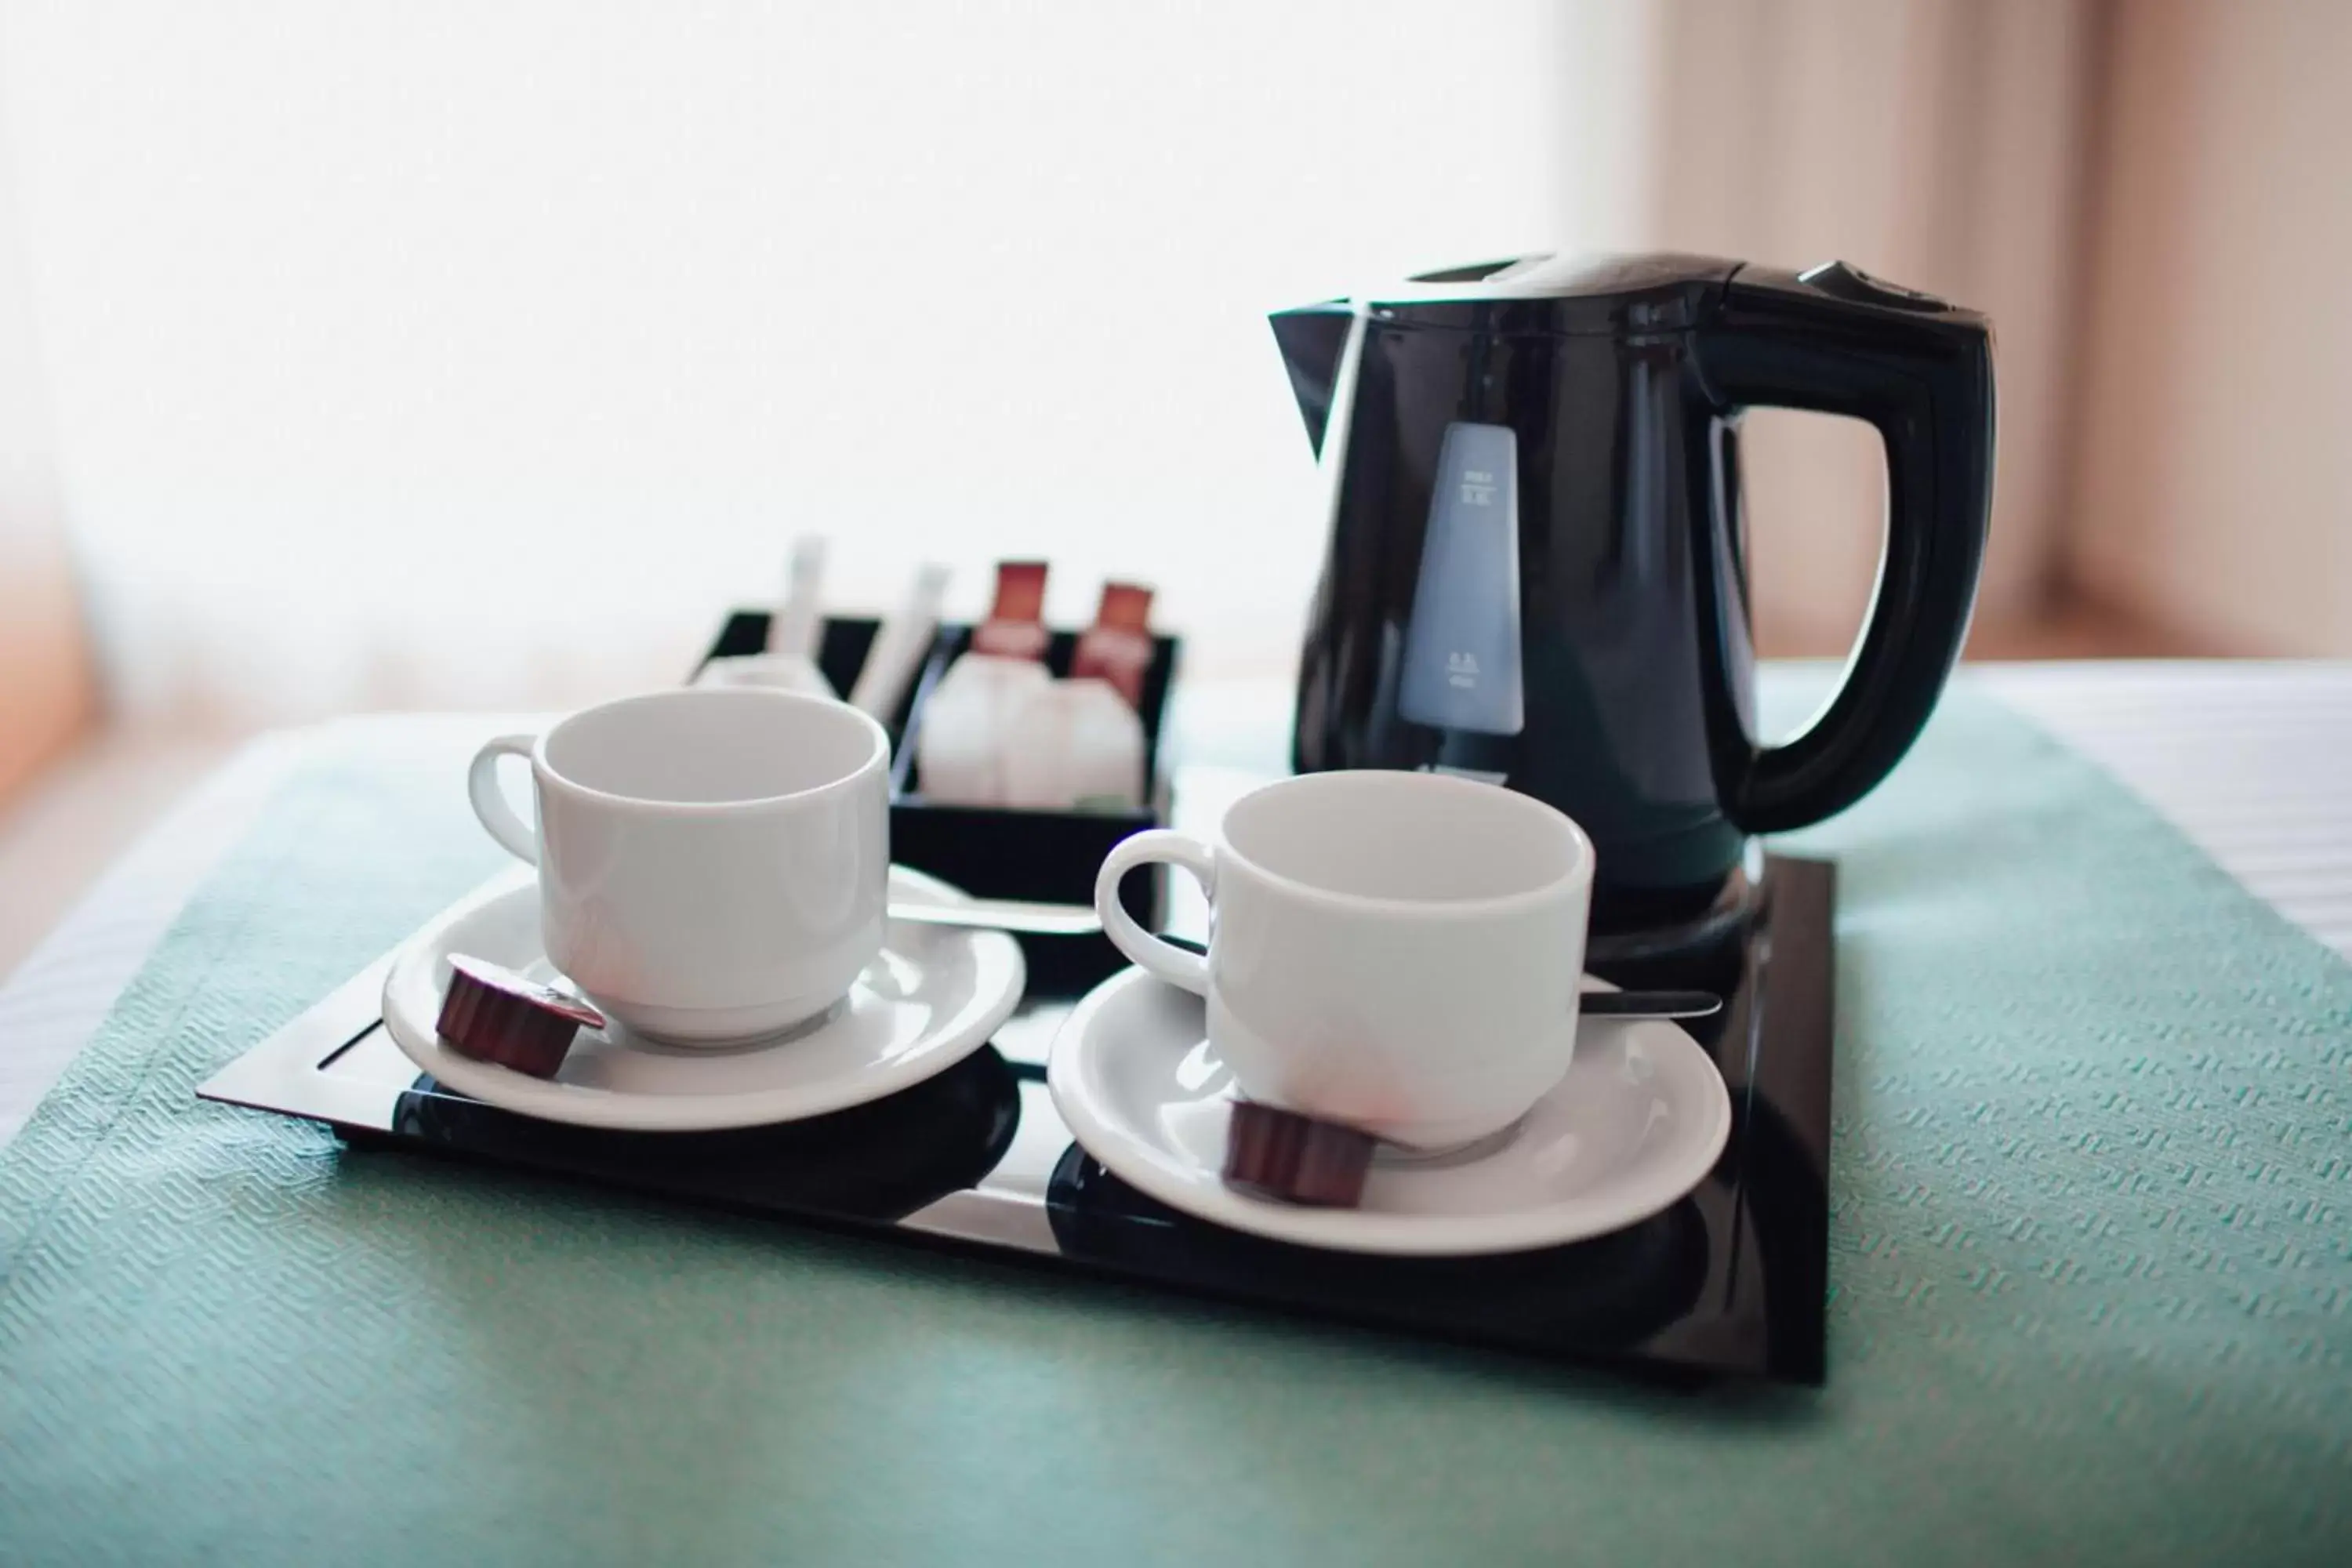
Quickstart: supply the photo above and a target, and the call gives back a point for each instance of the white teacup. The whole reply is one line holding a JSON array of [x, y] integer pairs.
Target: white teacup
[[713, 863], [1397, 950]]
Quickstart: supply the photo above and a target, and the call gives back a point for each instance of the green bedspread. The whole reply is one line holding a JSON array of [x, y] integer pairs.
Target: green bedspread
[[2091, 1279]]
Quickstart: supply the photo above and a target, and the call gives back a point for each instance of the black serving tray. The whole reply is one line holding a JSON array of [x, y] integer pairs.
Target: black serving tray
[[1048, 856], [1731, 1280]]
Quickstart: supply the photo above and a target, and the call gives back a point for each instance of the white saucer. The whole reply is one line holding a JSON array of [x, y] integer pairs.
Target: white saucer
[[933, 998], [1636, 1123]]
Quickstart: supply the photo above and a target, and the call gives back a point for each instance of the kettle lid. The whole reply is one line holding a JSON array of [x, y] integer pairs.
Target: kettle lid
[[1575, 292]]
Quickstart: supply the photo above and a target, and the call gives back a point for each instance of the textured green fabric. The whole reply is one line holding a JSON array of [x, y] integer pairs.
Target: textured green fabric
[[2091, 1300]]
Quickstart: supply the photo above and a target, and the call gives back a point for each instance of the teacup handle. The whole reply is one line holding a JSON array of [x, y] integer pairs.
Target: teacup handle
[[513, 834], [1146, 952]]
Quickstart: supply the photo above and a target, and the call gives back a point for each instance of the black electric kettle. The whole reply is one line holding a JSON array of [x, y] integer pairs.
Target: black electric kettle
[[1538, 570]]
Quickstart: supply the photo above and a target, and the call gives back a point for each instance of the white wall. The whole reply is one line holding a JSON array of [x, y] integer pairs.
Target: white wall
[[2215, 488], [478, 352]]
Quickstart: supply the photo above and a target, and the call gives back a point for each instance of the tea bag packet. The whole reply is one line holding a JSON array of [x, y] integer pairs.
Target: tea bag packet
[[1073, 745], [1117, 646], [999, 730], [959, 745], [1015, 627]]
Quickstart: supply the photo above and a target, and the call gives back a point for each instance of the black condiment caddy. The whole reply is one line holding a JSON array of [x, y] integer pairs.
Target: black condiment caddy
[[1001, 852]]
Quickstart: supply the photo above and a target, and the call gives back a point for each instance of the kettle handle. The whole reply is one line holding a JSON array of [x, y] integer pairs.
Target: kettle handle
[[1921, 372]]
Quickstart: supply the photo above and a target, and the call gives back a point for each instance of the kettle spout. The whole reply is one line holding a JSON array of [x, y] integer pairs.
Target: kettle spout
[[1313, 340]]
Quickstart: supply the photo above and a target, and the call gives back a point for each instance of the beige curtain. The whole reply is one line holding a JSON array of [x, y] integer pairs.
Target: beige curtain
[[1940, 144], [2216, 493], [46, 690]]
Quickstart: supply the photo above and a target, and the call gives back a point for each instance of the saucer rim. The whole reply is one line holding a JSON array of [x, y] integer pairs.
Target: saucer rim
[[547, 1099], [1354, 1230]]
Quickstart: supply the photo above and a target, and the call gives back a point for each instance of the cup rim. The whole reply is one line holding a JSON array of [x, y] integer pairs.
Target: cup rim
[[1579, 875], [877, 759]]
